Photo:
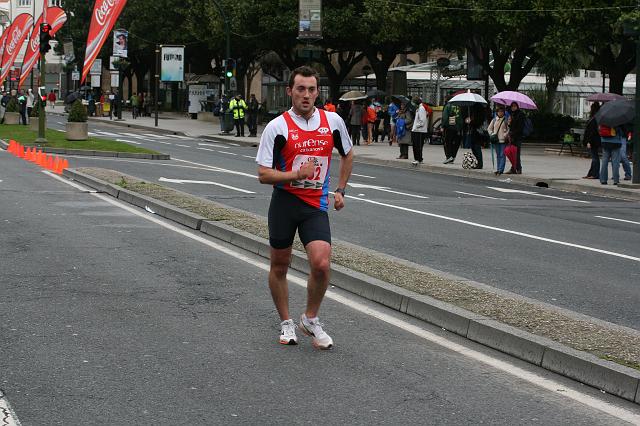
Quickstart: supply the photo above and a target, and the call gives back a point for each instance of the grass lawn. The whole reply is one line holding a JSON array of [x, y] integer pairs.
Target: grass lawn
[[56, 139]]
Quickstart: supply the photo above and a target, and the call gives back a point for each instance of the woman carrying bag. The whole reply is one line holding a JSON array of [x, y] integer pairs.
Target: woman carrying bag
[[498, 131]]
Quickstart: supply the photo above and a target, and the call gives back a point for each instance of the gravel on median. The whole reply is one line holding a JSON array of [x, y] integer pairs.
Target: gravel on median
[[618, 345]]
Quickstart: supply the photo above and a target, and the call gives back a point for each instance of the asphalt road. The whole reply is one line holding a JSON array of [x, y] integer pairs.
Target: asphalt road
[[566, 249], [109, 315]]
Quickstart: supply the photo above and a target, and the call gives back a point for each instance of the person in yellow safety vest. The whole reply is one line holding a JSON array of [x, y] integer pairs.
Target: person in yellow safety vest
[[238, 106]]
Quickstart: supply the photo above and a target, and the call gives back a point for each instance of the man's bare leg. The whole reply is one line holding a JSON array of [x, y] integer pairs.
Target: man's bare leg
[[319, 255], [280, 259]]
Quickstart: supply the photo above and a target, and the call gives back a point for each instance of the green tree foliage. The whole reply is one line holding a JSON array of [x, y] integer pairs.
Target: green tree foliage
[[78, 113]]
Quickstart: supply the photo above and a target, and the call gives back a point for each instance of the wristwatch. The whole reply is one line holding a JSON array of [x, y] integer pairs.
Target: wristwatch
[[339, 191]]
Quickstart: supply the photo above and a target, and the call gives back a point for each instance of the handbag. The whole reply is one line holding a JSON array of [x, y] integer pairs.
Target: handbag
[[469, 161], [494, 138]]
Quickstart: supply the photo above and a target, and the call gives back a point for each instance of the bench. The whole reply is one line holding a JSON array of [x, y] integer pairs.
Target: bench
[[573, 138]]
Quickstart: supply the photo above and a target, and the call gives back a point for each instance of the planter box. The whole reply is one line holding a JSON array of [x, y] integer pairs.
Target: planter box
[[11, 118], [77, 131], [33, 124]]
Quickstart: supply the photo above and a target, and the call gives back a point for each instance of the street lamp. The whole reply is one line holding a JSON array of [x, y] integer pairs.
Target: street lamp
[[366, 70]]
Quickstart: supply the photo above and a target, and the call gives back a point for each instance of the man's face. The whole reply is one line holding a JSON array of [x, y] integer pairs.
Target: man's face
[[303, 94]]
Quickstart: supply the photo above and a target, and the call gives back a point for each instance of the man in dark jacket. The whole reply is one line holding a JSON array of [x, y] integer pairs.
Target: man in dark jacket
[[252, 115], [452, 123], [516, 134], [593, 143]]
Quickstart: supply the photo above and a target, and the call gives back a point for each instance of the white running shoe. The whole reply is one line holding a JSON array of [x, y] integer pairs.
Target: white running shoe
[[321, 340], [288, 333]]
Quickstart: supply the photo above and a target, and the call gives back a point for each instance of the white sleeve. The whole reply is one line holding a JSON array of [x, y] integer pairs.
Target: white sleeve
[[265, 150], [337, 123]]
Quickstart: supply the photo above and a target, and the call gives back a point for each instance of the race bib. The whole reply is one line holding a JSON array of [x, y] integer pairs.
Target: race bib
[[320, 171]]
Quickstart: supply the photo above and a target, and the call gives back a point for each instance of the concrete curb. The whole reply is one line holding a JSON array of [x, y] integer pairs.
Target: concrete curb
[[586, 368], [91, 153]]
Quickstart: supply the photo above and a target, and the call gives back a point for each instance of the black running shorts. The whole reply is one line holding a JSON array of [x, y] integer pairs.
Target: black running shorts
[[288, 213]]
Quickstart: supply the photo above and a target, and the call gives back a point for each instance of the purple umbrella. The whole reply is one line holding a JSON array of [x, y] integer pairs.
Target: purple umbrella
[[604, 97], [507, 97]]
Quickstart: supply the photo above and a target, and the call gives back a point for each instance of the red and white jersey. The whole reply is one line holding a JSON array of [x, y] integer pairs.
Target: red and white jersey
[[311, 144]]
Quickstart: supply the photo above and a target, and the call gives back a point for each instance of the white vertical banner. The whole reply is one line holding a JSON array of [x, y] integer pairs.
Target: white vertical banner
[[95, 80], [115, 79], [172, 63]]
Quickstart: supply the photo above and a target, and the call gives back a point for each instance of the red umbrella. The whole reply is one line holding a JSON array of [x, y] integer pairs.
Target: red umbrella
[[511, 152]]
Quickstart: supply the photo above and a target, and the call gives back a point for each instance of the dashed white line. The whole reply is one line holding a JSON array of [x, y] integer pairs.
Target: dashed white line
[[618, 220], [207, 149], [363, 176], [217, 169], [205, 182], [151, 135], [233, 144], [182, 137], [164, 143], [507, 231], [184, 146], [225, 152], [478, 195], [550, 385], [127, 141], [211, 144], [249, 156]]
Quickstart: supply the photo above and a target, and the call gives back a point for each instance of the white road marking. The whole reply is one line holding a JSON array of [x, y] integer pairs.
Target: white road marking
[[609, 218], [60, 122], [249, 156], [91, 134], [157, 136], [7, 415], [182, 137], [478, 195], [127, 141], [164, 143], [184, 146], [207, 149], [229, 153], [507, 231], [205, 182], [362, 176], [383, 189], [217, 169], [211, 145], [102, 132], [550, 385], [133, 135], [68, 182], [536, 194], [233, 144]]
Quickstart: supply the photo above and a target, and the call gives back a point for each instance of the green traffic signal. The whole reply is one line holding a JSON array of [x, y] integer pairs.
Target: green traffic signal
[[229, 74]]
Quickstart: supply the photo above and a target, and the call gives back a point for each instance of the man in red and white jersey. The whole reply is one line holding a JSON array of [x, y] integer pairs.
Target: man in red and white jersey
[[295, 156]]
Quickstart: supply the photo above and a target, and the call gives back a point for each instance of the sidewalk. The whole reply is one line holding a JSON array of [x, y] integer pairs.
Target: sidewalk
[[540, 168]]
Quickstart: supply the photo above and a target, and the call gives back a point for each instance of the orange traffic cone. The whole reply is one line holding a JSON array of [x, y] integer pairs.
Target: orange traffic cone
[[10, 147], [29, 155], [19, 151], [65, 165], [39, 157], [50, 162]]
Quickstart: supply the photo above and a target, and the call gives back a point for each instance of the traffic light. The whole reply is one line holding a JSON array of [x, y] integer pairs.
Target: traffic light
[[45, 36], [230, 68]]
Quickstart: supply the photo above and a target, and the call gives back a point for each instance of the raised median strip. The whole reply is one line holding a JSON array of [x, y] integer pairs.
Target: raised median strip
[[594, 352], [96, 153]]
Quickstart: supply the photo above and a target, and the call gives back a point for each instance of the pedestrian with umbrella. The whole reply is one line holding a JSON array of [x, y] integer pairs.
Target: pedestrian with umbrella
[[474, 105], [613, 119], [498, 131], [592, 142], [517, 121]]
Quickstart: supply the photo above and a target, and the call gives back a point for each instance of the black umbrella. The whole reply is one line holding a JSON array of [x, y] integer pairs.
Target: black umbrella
[[71, 97], [85, 88], [616, 113], [401, 98]]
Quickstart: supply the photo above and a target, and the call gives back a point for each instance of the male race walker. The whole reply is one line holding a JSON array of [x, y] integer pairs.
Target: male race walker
[[294, 156]]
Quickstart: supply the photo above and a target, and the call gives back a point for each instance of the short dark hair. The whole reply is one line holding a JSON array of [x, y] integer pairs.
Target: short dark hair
[[304, 71]]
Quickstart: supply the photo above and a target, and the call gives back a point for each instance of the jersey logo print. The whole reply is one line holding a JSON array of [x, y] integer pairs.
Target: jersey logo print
[[323, 130]]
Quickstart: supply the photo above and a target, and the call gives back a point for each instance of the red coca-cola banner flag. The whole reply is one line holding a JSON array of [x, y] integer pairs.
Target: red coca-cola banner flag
[[3, 41], [56, 18], [17, 33], [105, 15]]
